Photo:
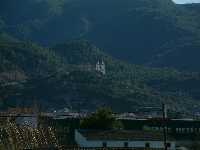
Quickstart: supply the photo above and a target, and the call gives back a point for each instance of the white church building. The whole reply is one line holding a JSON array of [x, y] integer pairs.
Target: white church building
[[101, 67], [122, 139]]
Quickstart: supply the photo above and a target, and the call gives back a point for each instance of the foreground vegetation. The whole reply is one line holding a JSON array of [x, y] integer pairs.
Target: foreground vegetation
[[13, 137]]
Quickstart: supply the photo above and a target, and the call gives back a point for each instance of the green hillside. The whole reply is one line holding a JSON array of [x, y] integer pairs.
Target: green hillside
[[26, 58], [156, 33], [69, 79]]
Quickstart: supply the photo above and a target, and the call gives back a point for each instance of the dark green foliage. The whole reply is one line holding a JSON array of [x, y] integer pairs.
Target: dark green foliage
[[79, 52], [195, 145], [102, 119], [27, 58], [150, 32], [2, 24], [66, 77]]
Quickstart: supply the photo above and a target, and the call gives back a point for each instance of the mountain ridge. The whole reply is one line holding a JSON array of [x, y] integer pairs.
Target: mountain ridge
[[134, 31]]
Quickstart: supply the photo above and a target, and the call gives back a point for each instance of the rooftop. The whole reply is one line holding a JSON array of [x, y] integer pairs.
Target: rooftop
[[123, 135]]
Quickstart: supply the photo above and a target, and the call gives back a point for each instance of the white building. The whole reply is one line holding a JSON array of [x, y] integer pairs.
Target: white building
[[101, 67], [121, 139]]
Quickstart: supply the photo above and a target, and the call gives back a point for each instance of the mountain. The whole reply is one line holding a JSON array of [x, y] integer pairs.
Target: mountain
[[22, 61], [156, 33], [65, 76]]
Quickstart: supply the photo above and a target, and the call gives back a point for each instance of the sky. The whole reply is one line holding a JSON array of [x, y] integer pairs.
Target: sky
[[186, 1]]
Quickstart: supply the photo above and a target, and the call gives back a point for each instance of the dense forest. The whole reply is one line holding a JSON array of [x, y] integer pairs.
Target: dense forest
[[50, 55], [65, 75], [155, 33]]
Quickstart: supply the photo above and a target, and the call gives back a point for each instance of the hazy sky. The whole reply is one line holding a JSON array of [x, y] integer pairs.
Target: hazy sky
[[186, 1]]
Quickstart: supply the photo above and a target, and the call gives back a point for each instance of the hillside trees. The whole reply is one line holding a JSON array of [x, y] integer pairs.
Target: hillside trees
[[102, 119]]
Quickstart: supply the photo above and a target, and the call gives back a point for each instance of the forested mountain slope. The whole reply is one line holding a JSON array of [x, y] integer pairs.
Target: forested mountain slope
[[69, 79], [151, 32]]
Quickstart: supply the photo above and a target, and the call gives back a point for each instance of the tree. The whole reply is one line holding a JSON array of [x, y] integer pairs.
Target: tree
[[195, 146], [102, 119]]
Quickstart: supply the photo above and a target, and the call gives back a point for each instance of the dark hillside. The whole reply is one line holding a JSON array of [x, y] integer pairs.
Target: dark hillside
[[69, 79], [150, 32]]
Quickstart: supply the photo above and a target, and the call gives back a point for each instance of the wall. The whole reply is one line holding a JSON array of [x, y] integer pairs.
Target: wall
[[83, 142]]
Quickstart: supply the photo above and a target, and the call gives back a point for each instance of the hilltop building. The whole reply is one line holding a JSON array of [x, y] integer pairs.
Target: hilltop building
[[101, 67]]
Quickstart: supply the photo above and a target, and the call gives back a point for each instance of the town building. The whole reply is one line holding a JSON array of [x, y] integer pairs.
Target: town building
[[122, 139]]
